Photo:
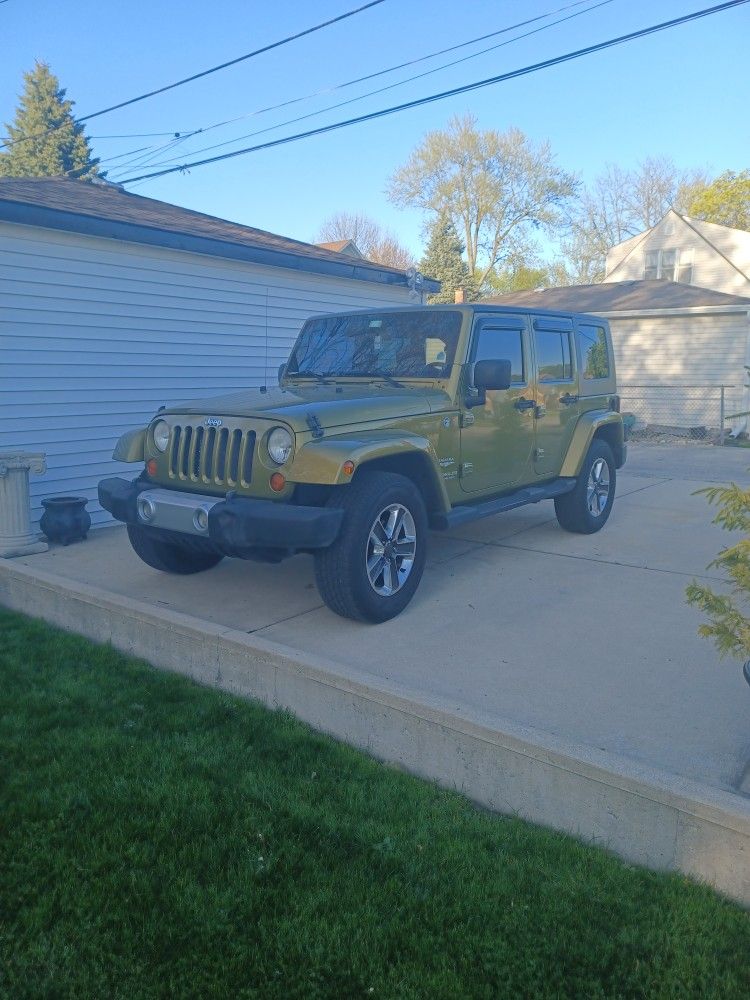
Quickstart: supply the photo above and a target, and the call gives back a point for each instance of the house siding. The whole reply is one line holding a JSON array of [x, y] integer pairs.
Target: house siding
[[710, 268], [96, 334], [681, 350]]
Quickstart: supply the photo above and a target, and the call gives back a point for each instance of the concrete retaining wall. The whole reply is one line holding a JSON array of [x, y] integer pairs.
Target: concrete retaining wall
[[644, 815]]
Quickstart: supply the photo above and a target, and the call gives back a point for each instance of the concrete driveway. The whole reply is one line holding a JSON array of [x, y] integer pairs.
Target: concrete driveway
[[587, 638]]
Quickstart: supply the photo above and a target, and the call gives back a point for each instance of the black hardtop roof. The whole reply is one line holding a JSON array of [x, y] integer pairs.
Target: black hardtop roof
[[476, 307]]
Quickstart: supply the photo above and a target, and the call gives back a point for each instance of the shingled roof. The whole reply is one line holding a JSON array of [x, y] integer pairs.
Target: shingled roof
[[621, 296], [102, 209]]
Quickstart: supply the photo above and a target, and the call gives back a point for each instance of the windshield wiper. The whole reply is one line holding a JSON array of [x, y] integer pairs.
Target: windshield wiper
[[310, 374], [385, 377]]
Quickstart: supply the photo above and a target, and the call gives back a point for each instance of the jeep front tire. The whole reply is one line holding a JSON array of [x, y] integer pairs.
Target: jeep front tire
[[372, 570], [171, 556]]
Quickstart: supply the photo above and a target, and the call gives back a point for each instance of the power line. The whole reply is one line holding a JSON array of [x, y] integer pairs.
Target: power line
[[514, 74], [400, 83], [390, 69], [207, 72]]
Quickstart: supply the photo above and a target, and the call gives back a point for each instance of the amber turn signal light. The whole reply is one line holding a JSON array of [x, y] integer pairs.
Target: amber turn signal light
[[151, 467], [277, 482], [348, 468]]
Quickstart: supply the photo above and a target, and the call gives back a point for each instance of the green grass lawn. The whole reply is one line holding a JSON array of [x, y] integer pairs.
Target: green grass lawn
[[160, 839]]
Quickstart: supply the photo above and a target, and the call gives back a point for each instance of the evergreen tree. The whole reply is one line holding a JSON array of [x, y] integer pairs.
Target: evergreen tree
[[444, 260], [61, 146]]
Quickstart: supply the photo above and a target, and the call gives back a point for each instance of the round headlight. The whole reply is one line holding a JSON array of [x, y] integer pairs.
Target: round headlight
[[280, 445], [161, 435]]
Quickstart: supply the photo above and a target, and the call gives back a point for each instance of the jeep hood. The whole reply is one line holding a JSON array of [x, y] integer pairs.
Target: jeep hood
[[343, 404]]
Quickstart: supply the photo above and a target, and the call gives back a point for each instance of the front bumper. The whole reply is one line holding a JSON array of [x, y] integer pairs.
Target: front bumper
[[236, 526]]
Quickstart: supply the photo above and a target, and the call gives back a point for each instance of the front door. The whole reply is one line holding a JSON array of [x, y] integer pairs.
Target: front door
[[556, 392], [497, 437]]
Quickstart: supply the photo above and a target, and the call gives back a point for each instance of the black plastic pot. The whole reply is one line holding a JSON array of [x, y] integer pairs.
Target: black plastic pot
[[65, 519]]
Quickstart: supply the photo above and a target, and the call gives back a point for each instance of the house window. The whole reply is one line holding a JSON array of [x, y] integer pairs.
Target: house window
[[669, 265]]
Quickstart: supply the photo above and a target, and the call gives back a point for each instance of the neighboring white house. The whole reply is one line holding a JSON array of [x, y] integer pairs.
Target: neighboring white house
[[112, 304], [675, 346], [687, 251]]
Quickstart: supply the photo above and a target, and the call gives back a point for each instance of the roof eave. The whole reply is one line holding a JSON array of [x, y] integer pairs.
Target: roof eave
[[47, 218]]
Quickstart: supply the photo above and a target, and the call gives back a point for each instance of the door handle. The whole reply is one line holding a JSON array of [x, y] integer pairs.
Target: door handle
[[524, 404], [568, 400]]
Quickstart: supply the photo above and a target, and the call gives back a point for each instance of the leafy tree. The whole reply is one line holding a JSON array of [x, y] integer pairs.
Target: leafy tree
[[444, 260], [496, 187], [60, 146], [726, 200], [523, 272], [729, 614], [373, 241]]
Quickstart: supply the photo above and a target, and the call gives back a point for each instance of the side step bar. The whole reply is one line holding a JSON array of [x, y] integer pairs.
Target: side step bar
[[464, 513]]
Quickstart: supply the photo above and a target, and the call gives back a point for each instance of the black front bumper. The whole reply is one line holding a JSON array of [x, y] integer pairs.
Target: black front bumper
[[237, 526]]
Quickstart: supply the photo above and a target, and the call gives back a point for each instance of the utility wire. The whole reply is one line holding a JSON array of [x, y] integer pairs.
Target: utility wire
[[490, 81], [400, 83], [206, 72], [384, 72]]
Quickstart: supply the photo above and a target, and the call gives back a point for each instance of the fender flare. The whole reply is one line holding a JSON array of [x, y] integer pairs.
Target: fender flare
[[587, 427], [131, 446], [321, 462]]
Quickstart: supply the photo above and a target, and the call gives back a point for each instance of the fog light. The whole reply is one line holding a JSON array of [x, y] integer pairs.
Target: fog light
[[151, 467], [200, 519], [146, 509], [277, 482]]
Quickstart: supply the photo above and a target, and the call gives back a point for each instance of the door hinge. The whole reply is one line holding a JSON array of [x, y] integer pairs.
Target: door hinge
[[466, 468], [467, 419]]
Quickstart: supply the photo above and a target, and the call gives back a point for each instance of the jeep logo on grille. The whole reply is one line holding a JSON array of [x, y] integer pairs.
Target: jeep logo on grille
[[213, 421]]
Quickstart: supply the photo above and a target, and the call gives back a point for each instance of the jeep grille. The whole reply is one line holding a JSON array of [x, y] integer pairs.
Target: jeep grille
[[216, 456]]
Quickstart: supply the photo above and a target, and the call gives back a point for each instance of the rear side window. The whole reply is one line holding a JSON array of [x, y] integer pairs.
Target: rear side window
[[499, 344], [594, 353], [553, 355]]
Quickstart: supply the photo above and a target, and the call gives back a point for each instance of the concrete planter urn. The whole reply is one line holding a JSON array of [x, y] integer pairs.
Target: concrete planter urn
[[16, 536], [65, 519]]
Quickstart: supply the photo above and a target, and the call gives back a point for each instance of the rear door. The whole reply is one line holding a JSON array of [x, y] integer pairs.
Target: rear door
[[557, 395], [497, 437]]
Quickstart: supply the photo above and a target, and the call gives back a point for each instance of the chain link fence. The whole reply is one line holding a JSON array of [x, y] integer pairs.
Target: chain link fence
[[680, 413]]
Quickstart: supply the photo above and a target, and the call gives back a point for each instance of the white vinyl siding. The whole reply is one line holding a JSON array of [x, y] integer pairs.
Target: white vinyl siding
[[96, 334], [709, 268], [708, 349]]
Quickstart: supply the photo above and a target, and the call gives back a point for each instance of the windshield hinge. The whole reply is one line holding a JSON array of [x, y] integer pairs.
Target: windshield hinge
[[315, 426]]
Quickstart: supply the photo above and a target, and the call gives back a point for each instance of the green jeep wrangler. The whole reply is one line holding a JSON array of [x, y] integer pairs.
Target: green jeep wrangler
[[384, 425]]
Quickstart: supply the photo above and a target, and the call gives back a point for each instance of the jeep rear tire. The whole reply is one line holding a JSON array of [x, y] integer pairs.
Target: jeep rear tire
[[172, 557], [586, 508], [372, 570]]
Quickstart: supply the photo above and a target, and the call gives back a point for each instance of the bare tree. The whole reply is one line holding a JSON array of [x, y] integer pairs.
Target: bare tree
[[496, 187], [619, 204], [373, 241]]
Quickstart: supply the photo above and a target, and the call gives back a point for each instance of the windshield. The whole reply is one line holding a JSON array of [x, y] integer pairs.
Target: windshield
[[416, 344]]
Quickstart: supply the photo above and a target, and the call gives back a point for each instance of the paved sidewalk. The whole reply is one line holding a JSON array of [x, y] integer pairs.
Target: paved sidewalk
[[587, 638]]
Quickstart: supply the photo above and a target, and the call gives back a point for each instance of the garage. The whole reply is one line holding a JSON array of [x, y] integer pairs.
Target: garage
[[680, 350], [112, 305]]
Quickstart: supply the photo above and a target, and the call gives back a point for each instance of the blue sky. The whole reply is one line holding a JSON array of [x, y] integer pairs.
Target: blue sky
[[682, 93]]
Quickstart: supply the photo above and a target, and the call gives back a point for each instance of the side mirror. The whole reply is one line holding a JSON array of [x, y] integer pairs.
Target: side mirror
[[492, 374], [282, 371]]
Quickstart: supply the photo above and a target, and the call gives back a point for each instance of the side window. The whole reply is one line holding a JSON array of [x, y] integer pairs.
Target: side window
[[498, 344], [553, 355], [594, 354]]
